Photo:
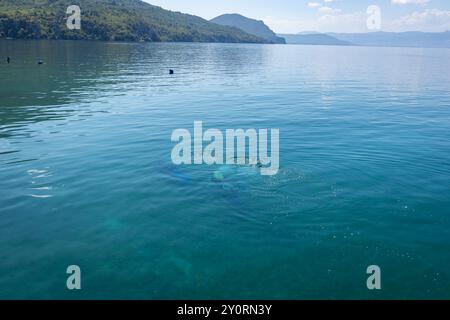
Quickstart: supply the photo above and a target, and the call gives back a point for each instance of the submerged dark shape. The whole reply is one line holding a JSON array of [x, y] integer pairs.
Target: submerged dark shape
[[8, 60], [176, 173], [227, 184]]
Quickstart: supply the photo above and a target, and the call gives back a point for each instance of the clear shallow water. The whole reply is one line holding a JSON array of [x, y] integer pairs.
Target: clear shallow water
[[85, 175]]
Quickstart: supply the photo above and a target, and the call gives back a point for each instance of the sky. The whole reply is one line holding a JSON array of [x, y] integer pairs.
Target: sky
[[293, 16]]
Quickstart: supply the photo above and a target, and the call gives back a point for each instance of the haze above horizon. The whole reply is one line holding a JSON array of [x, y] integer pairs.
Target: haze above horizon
[[294, 16]]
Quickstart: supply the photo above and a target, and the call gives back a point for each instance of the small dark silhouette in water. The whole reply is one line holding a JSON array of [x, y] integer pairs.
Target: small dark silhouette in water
[[171, 71], [40, 62], [8, 60]]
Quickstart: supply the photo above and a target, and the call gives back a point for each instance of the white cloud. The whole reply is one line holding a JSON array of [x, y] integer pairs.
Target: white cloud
[[323, 9], [429, 20], [343, 22], [351, 22], [409, 1], [314, 5], [328, 10], [280, 25]]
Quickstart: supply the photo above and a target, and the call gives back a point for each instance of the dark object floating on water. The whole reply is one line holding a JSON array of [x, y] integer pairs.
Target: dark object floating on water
[[171, 71], [40, 62], [8, 59]]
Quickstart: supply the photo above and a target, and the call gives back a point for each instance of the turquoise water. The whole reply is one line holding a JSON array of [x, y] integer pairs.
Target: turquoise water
[[86, 176]]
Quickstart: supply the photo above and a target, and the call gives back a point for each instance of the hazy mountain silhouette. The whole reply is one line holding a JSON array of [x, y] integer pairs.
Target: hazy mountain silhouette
[[251, 26], [376, 39], [314, 39], [397, 39]]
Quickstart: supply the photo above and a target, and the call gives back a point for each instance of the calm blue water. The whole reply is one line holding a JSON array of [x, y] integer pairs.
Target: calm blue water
[[86, 175]]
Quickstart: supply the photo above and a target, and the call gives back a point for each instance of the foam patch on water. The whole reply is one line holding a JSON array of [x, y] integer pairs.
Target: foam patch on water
[[43, 196]]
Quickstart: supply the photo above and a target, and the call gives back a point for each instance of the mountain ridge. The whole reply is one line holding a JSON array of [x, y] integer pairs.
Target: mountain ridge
[[414, 39], [314, 39], [111, 20], [252, 26]]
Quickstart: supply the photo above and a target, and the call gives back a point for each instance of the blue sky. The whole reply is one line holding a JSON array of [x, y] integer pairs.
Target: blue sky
[[292, 16]]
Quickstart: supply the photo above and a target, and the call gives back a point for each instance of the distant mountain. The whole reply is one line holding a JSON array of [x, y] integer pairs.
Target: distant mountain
[[121, 20], [401, 39], [314, 39], [251, 26], [376, 39], [308, 32]]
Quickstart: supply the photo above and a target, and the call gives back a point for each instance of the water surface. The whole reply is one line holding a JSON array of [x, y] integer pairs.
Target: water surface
[[86, 175]]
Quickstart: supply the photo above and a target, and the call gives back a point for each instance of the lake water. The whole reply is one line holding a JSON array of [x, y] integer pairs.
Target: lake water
[[86, 176]]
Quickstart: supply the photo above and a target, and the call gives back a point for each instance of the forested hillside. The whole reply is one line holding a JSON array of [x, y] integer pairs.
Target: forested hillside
[[116, 20]]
